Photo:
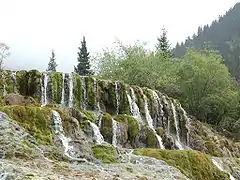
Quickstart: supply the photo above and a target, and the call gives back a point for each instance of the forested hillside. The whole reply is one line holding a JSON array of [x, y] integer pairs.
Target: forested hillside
[[222, 35]]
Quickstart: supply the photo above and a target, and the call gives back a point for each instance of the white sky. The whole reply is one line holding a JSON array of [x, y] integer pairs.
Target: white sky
[[33, 27]]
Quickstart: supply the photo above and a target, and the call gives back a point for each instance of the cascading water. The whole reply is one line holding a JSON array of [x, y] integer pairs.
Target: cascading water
[[150, 121], [4, 84], [219, 166], [97, 136], [117, 96], [70, 101], [13, 77], [84, 102], [187, 124], [133, 106], [115, 131], [178, 141], [58, 129], [95, 93], [63, 90], [168, 121], [44, 90]]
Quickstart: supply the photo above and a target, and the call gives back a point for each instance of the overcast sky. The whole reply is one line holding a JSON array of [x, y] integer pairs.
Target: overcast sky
[[32, 28]]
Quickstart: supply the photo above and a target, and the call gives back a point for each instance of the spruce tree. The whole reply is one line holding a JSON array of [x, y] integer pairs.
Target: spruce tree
[[52, 63], [163, 45], [83, 66]]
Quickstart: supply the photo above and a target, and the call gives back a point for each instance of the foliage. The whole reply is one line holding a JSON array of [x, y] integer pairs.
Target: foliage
[[83, 67], [52, 63], [163, 45], [106, 153], [199, 80], [4, 53], [193, 164]]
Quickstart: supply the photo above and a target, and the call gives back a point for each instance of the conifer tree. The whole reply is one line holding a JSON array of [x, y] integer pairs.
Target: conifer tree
[[83, 66], [52, 63], [163, 45]]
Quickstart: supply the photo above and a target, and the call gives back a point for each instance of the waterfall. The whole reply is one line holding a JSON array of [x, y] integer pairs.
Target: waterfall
[[187, 124], [95, 94], [150, 121], [63, 90], [168, 121], [58, 129], [97, 136], [84, 102], [13, 76], [44, 90], [116, 133], [219, 166], [4, 84], [178, 141], [133, 106], [70, 101], [98, 114], [117, 96]]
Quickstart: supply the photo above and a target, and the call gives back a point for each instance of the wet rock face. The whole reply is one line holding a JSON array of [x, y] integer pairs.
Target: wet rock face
[[16, 99], [207, 140]]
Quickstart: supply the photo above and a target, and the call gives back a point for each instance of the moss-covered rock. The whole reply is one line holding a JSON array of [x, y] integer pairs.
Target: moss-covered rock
[[35, 120], [90, 89], [57, 83], [132, 124], [106, 153], [193, 164], [77, 91], [106, 127], [124, 107], [139, 100]]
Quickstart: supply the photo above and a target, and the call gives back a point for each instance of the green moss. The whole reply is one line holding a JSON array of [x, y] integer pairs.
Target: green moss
[[107, 96], [89, 81], [124, 107], [57, 87], [212, 149], [90, 115], [193, 164], [106, 153], [22, 81], [132, 123], [151, 138], [35, 120], [77, 91], [106, 127]]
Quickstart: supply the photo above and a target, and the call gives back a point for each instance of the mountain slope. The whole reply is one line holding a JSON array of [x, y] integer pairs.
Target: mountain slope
[[222, 35]]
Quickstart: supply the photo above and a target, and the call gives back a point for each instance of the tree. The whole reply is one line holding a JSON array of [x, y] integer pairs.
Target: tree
[[83, 66], [163, 45], [52, 63], [4, 53]]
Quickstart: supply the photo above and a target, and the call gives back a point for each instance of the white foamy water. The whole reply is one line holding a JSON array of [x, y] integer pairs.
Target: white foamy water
[[114, 129], [70, 101], [150, 121], [220, 167], [63, 90], [117, 96], [44, 100], [84, 101], [187, 124], [178, 141], [97, 136]]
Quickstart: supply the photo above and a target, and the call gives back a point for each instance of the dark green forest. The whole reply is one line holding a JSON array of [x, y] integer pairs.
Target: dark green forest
[[222, 35]]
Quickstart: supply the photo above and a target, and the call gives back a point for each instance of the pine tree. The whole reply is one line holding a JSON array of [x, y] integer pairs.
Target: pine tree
[[163, 45], [52, 63], [83, 66]]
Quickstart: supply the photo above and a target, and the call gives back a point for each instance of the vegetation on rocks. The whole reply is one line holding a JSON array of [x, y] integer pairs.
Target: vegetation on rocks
[[193, 164], [106, 127], [106, 153]]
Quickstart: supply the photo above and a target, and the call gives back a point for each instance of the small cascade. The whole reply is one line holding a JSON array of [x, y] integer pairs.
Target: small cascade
[[187, 125], [150, 121], [98, 114], [4, 84], [178, 141], [133, 106], [63, 90], [116, 133], [58, 129], [97, 136], [117, 96], [219, 166], [95, 93], [13, 77], [168, 121], [70, 101], [84, 102], [44, 100]]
